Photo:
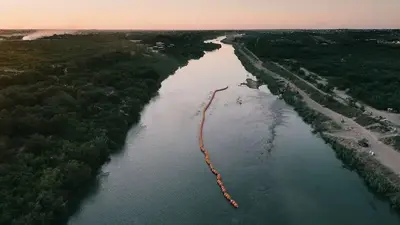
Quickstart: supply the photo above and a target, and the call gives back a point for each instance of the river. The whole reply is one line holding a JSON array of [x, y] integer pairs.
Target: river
[[271, 163]]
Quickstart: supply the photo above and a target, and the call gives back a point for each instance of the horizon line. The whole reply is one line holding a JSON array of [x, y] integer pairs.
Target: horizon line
[[219, 29]]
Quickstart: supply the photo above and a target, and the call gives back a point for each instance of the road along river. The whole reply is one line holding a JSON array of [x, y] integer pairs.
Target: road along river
[[271, 163]]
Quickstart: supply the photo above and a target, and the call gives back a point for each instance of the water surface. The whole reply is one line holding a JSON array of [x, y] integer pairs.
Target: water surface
[[271, 163]]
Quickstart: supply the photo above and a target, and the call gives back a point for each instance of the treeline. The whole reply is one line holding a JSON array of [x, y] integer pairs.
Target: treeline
[[182, 45], [365, 62], [187, 48], [62, 117]]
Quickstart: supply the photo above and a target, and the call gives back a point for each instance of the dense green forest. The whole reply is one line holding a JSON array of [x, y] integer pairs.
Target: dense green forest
[[66, 104], [367, 63]]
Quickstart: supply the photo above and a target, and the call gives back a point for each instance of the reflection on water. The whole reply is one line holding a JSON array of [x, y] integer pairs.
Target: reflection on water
[[161, 178]]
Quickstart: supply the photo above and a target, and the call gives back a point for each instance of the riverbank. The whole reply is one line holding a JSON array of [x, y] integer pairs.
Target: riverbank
[[380, 178], [70, 109], [265, 152]]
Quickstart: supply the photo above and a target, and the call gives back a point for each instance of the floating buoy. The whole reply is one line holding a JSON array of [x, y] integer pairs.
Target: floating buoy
[[223, 189], [206, 155], [227, 196], [233, 202]]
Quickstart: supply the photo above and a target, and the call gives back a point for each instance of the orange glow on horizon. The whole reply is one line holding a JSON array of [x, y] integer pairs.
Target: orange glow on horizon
[[205, 14]]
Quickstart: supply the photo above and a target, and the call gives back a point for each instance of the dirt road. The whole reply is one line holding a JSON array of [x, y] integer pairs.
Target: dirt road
[[341, 96], [351, 132]]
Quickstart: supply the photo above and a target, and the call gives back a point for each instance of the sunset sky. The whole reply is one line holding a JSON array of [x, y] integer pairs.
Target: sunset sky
[[198, 14]]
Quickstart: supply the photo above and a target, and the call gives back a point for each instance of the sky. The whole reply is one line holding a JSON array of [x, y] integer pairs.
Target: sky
[[198, 14]]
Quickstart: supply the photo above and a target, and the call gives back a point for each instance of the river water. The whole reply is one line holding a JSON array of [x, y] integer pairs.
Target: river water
[[270, 162]]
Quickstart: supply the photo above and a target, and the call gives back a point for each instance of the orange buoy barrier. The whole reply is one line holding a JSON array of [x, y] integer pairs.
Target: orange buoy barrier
[[234, 203], [207, 157], [214, 172], [227, 196], [223, 189]]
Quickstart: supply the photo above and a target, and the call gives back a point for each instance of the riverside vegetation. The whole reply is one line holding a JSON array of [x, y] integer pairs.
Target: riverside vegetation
[[66, 103], [361, 63], [366, 63], [375, 175]]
